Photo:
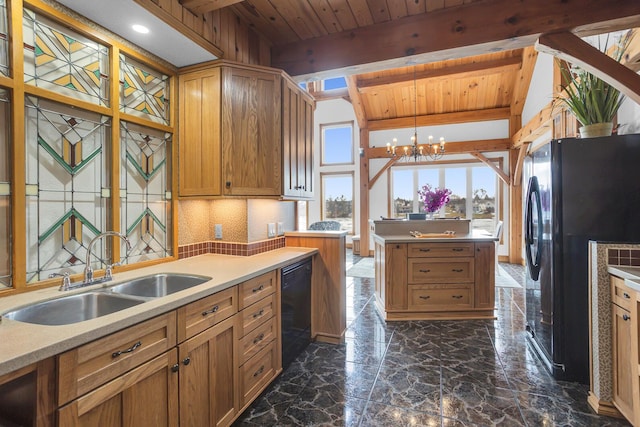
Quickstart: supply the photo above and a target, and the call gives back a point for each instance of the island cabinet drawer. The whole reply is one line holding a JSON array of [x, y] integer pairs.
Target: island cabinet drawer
[[255, 315], [621, 294], [93, 364], [257, 339], [199, 315], [257, 372], [439, 297], [440, 250], [257, 288], [440, 270]]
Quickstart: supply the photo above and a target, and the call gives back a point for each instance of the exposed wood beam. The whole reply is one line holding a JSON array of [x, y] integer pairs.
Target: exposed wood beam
[[517, 171], [503, 176], [441, 119], [202, 6], [460, 147], [474, 69], [326, 95], [573, 49], [390, 163], [365, 186], [467, 30], [356, 102], [632, 57], [538, 125], [523, 80]]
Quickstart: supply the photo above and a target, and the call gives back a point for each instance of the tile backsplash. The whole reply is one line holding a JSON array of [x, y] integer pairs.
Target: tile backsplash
[[619, 256], [230, 248]]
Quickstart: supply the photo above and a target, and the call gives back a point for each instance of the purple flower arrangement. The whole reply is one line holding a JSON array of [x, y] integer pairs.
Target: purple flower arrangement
[[433, 199]]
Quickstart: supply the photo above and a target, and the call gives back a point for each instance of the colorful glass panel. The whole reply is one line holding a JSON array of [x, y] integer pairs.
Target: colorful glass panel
[[67, 177], [63, 61], [5, 193], [4, 39], [144, 92], [145, 192]]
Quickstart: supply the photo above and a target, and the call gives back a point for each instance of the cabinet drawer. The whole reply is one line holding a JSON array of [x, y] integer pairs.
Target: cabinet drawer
[[621, 294], [440, 270], [86, 367], [441, 250], [258, 313], [206, 312], [440, 297], [257, 373], [253, 290], [257, 339]]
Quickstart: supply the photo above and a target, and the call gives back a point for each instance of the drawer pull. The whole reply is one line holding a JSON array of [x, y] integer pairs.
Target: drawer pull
[[425, 271], [457, 270], [258, 314], [259, 371], [424, 297], [456, 296], [457, 249], [626, 295], [258, 289], [425, 250], [259, 338], [214, 309], [129, 350], [625, 317]]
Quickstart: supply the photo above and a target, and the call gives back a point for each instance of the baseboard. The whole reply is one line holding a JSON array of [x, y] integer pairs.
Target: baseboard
[[602, 407]]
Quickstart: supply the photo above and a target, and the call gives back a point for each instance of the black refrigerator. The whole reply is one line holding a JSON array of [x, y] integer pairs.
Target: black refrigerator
[[576, 190]]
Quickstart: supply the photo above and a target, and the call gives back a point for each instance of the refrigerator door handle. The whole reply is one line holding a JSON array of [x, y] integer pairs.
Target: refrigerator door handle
[[533, 245]]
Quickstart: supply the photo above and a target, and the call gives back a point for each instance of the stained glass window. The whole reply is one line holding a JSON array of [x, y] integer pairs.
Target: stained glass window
[[145, 191], [4, 39], [67, 186], [63, 61], [5, 192], [144, 92]]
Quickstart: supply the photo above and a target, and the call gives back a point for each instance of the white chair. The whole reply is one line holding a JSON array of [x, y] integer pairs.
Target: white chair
[[498, 234]]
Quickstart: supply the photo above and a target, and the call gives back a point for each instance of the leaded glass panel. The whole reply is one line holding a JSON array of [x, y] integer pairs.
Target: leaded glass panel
[[67, 177], [144, 92], [145, 193], [4, 39], [5, 193], [58, 59]]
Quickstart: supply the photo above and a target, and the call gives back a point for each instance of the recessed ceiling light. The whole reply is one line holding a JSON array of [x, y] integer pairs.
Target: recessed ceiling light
[[140, 28]]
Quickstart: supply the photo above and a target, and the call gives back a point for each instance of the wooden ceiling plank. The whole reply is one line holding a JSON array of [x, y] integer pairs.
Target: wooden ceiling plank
[[503, 176], [472, 69], [478, 27], [441, 119], [361, 12], [301, 17], [325, 13], [416, 7], [460, 147], [343, 13], [573, 49], [257, 12], [203, 6], [432, 5], [356, 102], [523, 80], [379, 11], [397, 9]]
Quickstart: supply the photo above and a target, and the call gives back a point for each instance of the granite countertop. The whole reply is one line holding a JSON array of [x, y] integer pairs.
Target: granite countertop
[[631, 275], [474, 236], [30, 343]]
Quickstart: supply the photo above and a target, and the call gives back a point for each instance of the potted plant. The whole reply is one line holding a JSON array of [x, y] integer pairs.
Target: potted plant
[[590, 99]]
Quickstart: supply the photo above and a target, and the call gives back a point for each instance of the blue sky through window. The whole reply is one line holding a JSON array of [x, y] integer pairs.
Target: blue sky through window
[[338, 145], [335, 83]]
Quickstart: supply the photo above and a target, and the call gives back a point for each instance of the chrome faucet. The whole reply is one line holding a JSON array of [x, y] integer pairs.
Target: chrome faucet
[[88, 271]]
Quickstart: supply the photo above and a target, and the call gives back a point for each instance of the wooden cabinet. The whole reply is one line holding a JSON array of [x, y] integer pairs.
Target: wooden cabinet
[[230, 130], [297, 140], [435, 280]]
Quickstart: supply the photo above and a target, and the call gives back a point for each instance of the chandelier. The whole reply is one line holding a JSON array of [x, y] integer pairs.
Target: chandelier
[[419, 153]]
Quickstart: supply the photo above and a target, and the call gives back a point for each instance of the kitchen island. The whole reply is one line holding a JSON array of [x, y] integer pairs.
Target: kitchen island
[[442, 276]]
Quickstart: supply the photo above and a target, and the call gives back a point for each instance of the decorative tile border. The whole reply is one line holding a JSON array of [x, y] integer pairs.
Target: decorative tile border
[[617, 256], [230, 248]]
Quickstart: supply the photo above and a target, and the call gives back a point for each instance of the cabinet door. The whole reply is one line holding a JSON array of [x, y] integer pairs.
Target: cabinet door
[[251, 132], [199, 131], [396, 276], [144, 396], [209, 376], [485, 271], [623, 372]]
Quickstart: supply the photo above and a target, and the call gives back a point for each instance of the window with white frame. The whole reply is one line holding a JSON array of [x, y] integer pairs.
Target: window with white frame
[[337, 199], [336, 144]]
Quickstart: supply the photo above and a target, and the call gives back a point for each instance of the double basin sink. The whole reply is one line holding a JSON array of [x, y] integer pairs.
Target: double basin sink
[[92, 304]]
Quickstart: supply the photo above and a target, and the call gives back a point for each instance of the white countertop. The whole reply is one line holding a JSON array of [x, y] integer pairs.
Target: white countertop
[[25, 343], [631, 275], [474, 236], [329, 234]]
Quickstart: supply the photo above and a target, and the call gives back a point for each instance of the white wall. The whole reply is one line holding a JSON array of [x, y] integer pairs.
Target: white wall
[[541, 88], [629, 117]]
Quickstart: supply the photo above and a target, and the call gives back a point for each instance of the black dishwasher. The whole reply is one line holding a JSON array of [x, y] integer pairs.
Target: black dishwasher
[[295, 309]]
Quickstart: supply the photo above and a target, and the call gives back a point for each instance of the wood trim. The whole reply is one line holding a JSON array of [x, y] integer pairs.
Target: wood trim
[[517, 172], [326, 95], [523, 80], [458, 147], [538, 125], [503, 176], [201, 6], [116, 161], [148, 123], [441, 119], [515, 212], [356, 102], [602, 407], [66, 100], [6, 82], [365, 187]]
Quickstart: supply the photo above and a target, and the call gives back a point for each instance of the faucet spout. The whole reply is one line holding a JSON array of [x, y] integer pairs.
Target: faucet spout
[[88, 271]]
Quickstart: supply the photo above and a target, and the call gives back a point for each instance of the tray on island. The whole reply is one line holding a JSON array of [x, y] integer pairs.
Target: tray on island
[[420, 235]]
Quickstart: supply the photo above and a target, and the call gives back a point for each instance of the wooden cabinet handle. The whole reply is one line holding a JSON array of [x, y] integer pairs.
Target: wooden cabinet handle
[[259, 338], [258, 314], [128, 350], [456, 296], [258, 289], [259, 371], [625, 317], [425, 250], [213, 310], [457, 270], [424, 297], [425, 271], [626, 295]]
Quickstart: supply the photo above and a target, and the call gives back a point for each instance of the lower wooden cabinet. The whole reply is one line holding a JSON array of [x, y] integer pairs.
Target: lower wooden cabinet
[[144, 396]]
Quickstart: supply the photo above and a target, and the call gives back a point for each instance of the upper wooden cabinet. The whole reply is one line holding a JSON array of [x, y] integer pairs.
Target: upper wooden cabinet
[[244, 131], [230, 131], [297, 140]]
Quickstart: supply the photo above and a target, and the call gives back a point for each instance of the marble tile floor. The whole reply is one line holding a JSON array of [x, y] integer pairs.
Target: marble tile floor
[[427, 373]]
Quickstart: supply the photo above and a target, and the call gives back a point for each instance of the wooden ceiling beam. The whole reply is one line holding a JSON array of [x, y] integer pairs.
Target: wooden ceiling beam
[[461, 147], [471, 70], [440, 119], [573, 49], [356, 102], [202, 6], [325, 95], [523, 80], [537, 126], [503, 176], [455, 32]]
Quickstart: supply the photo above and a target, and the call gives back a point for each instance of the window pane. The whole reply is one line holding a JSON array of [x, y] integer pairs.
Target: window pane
[[456, 181], [4, 39], [484, 198], [337, 200], [335, 83], [144, 92], [403, 192], [337, 144], [5, 193]]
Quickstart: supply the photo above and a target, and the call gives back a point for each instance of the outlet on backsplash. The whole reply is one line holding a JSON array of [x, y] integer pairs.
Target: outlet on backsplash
[[280, 229], [271, 229], [218, 231]]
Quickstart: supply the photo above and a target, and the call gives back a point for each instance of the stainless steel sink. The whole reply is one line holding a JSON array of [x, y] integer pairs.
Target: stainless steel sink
[[72, 309], [159, 285]]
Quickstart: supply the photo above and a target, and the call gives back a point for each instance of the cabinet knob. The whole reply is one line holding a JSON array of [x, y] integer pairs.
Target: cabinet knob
[[625, 317], [228, 184], [626, 295], [175, 368], [186, 361]]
